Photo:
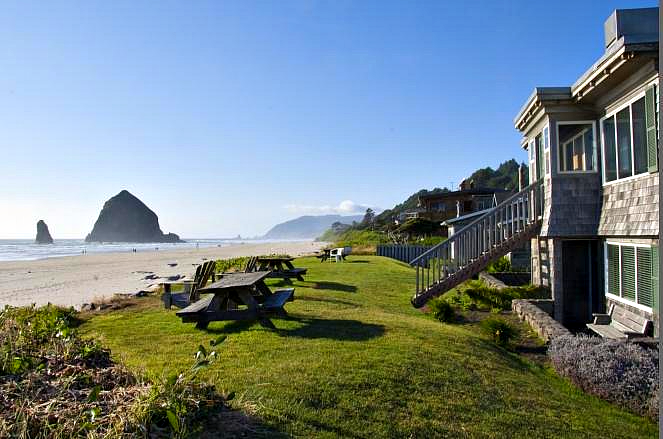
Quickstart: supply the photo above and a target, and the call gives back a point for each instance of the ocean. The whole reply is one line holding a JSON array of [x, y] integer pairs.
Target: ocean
[[27, 250]]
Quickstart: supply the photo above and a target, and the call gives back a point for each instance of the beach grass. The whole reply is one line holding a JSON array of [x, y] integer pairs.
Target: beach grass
[[355, 359]]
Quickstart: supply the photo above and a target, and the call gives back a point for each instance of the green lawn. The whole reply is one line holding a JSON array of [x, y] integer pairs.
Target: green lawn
[[354, 359]]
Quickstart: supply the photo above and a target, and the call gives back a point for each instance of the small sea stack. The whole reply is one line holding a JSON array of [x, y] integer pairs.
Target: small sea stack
[[43, 235]]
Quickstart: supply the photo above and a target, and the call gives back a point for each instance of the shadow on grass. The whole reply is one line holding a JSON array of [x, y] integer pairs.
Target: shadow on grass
[[359, 261], [333, 329], [334, 286], [312, 328], [329, 300]]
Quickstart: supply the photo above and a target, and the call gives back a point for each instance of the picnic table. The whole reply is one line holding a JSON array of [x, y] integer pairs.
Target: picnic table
[[237, 296], [280, 266], [324, 254]]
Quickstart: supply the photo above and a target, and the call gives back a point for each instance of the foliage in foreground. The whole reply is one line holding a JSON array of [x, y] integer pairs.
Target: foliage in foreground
[[623, 373], [55, 384]]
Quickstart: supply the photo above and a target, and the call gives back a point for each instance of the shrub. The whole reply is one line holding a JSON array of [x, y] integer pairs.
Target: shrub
[[493, 298], [623, 373], [499, 330], [501, 265], [55, 384], [442, 310]]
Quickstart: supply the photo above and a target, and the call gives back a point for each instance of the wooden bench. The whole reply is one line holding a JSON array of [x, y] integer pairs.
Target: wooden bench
[[296, 273], [276, 301], [620, 324]]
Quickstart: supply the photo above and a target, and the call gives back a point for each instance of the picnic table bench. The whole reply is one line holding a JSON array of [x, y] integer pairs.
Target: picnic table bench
[[237, 296], [280, 267], [620, 324]]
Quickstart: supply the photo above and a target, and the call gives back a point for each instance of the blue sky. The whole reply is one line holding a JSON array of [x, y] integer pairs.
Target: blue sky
[[227, 117]]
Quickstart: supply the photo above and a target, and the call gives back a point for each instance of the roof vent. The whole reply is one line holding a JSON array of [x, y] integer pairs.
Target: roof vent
[[636, 25]]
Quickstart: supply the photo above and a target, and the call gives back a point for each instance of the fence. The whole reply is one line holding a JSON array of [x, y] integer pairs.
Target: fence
[[403, 253]]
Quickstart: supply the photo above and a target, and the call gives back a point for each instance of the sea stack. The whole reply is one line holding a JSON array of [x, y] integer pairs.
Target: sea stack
[[124, 218], [43, 235]]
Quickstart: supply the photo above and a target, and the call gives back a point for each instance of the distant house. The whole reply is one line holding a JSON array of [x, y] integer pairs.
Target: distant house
[[591, 213], [468, 199]]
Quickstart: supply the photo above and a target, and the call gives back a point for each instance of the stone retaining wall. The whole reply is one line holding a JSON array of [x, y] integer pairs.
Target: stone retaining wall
[[503, 280], [538, 314]]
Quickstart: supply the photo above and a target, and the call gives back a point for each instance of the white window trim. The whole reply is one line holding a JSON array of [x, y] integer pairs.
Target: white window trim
[[547, 165], [619, 298], [594, 159], [612, 113], [532, 160]]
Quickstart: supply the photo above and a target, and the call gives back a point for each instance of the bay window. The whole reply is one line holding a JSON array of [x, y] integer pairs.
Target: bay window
[[576, 147]]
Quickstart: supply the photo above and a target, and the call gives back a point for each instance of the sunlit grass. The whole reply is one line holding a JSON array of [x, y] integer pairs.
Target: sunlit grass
[[354, 359]]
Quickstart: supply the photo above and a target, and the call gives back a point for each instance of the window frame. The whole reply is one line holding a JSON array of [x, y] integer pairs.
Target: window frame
[[546, 150], [612, 113], [620, 298], [594, 141]]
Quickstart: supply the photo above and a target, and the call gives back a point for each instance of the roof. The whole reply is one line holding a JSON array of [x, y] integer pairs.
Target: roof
[[452, 221], [628, 32], [473, 191]]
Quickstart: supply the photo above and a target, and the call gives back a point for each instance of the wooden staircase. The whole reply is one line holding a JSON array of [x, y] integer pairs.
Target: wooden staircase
[[500, 230]]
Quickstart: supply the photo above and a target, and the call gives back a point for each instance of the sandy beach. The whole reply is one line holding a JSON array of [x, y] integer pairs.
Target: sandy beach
[[74, 280]]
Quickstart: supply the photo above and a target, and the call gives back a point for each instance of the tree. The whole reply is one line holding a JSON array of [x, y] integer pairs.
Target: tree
[[369, 218]]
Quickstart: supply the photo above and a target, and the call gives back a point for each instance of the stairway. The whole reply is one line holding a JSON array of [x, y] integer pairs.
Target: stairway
[[500, 230]]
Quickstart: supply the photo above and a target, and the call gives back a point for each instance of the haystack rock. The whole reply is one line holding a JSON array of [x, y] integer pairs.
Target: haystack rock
[[124, 218], [43, 235]]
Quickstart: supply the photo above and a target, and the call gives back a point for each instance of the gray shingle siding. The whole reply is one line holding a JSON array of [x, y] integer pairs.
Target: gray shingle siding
[[630, 208], [573, 205]]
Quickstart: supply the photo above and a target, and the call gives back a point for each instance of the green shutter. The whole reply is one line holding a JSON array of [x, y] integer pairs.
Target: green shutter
[[628, 273], [645, 276], [654, 276], [650, 121], [613, 269]]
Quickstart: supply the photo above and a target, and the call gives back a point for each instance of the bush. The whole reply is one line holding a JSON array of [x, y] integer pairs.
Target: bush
[[499, 330], [622, 373], [55, 384], [491, 298], [442, 310], [501, 265]]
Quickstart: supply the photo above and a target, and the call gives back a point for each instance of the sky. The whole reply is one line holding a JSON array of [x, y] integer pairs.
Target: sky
[[227, 117]]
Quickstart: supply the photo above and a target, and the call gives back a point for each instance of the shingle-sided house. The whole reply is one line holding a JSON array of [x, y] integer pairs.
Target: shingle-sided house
[[591, 214], [594, 145]]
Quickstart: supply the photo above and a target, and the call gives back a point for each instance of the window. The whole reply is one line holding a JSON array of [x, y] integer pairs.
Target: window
[[632, 273], [576, 147], [546, 149], [539, 155], [532, 163], [630, 138]]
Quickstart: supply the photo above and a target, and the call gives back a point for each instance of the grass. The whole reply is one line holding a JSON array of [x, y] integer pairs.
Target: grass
[[354, 359]]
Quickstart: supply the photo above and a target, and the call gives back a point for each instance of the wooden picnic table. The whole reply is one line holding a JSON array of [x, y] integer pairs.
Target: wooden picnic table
[[237, 296], [280, 266], [324, 254]]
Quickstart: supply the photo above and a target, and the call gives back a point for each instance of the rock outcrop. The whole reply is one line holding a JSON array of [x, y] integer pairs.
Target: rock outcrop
[[43, 235], [124, 218]]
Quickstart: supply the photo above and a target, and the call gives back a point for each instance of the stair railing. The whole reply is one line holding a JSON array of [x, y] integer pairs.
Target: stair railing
[[480, 237]]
